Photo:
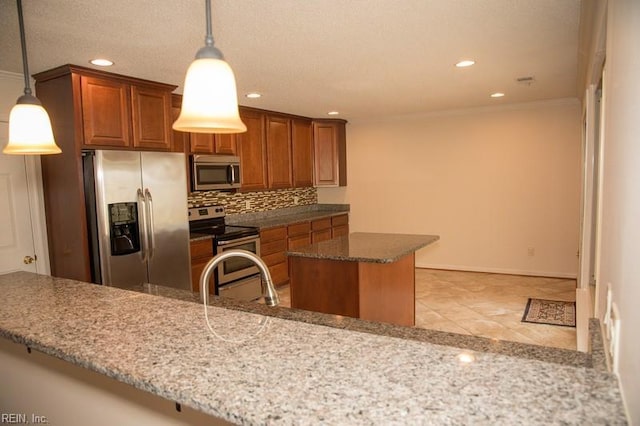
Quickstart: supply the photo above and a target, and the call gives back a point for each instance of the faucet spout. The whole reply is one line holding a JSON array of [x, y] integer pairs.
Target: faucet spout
[[268, 290]]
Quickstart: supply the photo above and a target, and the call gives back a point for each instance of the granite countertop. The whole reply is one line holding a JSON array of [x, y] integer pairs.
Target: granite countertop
[[293, 372], [366, 247], [288, 216]]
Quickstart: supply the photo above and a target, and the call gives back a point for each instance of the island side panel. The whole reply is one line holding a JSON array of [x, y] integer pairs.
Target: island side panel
[[322, 285], [387, 291]]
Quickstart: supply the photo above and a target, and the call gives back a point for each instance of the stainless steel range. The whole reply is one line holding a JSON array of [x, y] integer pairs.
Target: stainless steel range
[[236, 277]]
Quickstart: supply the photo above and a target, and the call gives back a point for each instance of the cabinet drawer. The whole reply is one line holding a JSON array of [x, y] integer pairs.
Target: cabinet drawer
[[299, 241], [343, 219], [299, 229], [322, 235], [320, 224], [274, 258], [279, 273], [201, 249], [278, 246], [273, 234], [338, 231]]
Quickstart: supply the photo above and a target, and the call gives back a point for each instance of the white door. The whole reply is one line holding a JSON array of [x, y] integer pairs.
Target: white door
[[16, 235]]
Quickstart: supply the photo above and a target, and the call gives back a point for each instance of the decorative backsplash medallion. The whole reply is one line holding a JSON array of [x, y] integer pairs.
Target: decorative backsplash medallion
[[250, 202]]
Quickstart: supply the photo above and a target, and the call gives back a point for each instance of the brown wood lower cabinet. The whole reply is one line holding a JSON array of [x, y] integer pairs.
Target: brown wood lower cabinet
[[383, 292], [299, 235], [201, 254], [273, 245], [339, 225], [274, 242], [321, 230]]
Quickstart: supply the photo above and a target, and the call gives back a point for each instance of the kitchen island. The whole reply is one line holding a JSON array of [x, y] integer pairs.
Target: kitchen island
[[293, 372], [370, 276]]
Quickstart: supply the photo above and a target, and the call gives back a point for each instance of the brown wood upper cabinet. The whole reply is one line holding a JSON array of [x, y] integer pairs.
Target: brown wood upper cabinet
[[92, 109], [283, 151], [330, 153], [151, 118], [180, 139], [302, 152], [279, 167], [252, 149], [217, 144], [118, 112], [106, 113]]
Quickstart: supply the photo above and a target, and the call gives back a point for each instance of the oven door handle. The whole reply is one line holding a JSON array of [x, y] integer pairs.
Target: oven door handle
[[237, 240]]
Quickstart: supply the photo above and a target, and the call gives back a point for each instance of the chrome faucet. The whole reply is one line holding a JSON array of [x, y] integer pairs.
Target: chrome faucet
[[268, 290]]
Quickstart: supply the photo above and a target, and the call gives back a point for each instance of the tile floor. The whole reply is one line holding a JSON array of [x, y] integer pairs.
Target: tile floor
[[487, 305]]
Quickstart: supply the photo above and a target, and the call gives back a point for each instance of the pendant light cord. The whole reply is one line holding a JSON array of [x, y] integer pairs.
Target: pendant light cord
[[25, 65], [208, 39]]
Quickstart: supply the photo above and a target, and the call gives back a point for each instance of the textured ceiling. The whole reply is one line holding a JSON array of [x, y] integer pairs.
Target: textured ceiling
[[364, 58]]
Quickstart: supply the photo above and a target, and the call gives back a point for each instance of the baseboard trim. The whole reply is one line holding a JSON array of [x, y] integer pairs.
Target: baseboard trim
[[499, 271]]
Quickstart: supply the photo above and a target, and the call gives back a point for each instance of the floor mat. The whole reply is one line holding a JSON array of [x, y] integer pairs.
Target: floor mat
[[553, 312]]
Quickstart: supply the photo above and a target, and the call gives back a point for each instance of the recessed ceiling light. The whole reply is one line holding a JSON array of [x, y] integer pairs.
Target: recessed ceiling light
[[253, 95], [333, 113], [101, 62], [465, 63], [497, 95]]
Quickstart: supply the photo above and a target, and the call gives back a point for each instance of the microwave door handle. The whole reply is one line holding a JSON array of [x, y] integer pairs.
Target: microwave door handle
[[233, 174], [151, 224], [142, 230]]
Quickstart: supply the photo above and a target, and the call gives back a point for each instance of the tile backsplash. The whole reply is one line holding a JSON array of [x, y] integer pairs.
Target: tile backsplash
[[251, 202]]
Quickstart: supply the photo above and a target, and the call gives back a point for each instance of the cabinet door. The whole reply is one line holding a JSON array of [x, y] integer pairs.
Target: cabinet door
[[106, 114], [180, 139], [253, 152], [279, 152], [201, 253], [330, 153], [151, 118], [302, 152], [325, 141], [202, 143], [225, 144]]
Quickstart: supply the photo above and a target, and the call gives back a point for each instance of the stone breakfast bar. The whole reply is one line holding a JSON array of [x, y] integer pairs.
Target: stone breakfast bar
[[364, 275], [78, 353]]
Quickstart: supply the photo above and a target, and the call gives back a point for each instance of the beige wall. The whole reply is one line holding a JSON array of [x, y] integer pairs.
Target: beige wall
[[620, 244], [492, 182]]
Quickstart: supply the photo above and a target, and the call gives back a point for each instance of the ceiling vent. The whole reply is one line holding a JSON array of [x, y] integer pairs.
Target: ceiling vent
[[526, 81]]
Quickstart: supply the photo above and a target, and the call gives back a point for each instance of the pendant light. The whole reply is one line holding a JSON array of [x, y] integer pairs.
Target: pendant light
[[29, 125], [210, 100]]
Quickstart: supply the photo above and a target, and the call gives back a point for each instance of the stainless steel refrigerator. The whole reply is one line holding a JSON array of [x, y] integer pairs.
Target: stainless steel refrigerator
[[137, 218]]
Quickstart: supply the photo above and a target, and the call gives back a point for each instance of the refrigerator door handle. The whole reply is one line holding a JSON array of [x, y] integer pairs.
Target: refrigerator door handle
[[142, 213], [150, 228]]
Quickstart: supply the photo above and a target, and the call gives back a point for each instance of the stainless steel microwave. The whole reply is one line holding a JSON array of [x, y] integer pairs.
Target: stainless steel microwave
[[214, 172]]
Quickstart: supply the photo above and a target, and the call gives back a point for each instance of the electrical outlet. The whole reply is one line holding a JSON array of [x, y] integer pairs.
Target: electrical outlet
[[612, 331], [247, 204], [296, 200], [531, 251]]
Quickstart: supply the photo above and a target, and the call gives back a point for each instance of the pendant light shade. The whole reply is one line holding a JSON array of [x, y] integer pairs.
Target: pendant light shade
[[30, 130], [210, 99], [29, 125]]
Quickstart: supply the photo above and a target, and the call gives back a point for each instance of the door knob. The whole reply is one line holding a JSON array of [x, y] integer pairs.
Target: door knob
[[28, 260]]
